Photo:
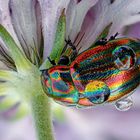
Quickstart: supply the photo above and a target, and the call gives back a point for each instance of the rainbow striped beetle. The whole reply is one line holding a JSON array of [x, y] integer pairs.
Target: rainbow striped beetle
[[106, 73]]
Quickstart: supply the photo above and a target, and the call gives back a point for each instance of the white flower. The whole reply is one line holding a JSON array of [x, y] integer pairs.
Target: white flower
[[33, 25]]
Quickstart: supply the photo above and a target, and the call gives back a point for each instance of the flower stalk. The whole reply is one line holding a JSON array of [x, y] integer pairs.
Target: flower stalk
[[25, 83], [42, 118]]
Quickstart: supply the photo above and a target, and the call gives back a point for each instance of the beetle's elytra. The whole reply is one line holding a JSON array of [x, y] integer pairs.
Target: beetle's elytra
[[102, 74]]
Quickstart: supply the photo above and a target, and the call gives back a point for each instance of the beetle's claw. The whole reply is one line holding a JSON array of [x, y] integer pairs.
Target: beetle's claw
[[102, 41], [113, 37], [68, 42], [51, 61]]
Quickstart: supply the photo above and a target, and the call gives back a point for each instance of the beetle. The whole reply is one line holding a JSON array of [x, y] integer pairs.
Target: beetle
[[105, 73]]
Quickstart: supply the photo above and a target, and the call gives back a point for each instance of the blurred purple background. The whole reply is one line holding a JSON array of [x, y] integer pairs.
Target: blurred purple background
[[99, 123]]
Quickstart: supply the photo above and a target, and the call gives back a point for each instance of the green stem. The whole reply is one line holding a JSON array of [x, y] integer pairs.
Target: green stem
[[42, 116]]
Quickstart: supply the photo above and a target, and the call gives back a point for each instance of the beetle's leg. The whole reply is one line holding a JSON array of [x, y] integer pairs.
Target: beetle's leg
[[72, 56], [44, 74], [64, 60], [102, 41], [51, 61], [73, 47], [113, 37]]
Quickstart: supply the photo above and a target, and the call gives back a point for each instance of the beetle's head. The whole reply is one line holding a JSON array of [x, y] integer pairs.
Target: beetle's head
[[46, 81], [57, 83]]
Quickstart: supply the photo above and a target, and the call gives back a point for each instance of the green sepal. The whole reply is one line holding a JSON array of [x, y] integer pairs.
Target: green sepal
[[8, 102], [58, 43], [5, 88], [17, 55], [59, 38], [103, 34], [7, 75], [21, 111]]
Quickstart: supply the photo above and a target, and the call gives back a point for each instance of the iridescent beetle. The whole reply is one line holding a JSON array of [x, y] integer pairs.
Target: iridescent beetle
[[106, 73]]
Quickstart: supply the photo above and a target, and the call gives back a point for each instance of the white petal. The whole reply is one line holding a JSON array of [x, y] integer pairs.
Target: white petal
[[2, 65], [5, 18], [51, 10], [23, 16], [6, 22], [80, 10], [120, 12], [71, 14], [132, 30]]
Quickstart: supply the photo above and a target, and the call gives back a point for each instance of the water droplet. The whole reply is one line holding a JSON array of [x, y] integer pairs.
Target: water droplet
[[124, 104], [65, 103], [83, 107], [79, 106], [97, 92], [125, 57]]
